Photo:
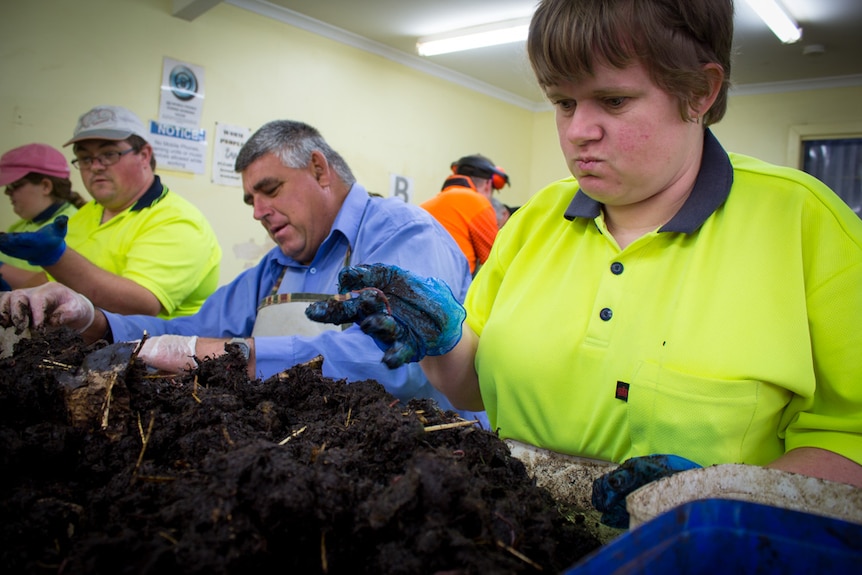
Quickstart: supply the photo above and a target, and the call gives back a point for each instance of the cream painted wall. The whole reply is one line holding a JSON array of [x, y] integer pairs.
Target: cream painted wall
[[548, 162], [760, 125], [59, 58]]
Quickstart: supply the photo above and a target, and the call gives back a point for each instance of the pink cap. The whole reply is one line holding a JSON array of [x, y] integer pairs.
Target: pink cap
[[39, 158]]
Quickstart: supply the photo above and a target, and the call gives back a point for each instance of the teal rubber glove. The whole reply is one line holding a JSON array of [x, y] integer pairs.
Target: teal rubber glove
[[44, 247], [407, 315], [610, 490]]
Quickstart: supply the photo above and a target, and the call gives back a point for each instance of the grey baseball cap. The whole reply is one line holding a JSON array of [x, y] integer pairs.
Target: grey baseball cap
[[108, 123]]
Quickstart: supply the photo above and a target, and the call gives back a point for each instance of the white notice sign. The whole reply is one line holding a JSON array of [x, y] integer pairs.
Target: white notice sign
[[182, 94], [226, 146], [178, 148]]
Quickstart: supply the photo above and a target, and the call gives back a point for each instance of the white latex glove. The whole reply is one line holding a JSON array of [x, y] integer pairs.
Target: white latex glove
[[169, 353], [51, 303]]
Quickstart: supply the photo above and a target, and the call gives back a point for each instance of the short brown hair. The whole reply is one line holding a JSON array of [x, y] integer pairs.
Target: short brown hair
[[138, 143], [672, 38]]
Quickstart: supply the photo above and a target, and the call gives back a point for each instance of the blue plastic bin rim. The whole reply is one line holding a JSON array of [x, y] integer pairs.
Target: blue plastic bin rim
[[730, 536]]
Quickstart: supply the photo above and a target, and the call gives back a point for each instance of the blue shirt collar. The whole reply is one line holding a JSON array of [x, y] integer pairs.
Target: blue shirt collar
[[711, 189], [351, 214]]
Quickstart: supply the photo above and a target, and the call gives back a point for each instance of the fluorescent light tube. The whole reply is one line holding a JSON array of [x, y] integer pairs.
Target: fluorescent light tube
[[781, 24], [471, 38]]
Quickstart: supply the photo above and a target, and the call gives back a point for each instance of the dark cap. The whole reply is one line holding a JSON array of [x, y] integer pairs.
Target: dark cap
[[481, 167]]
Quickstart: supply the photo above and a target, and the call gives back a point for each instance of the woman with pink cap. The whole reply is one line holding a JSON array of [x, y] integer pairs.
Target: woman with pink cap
[[36, 177]]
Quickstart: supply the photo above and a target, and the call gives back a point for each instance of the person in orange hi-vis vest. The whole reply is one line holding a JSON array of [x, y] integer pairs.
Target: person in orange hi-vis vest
[[464, 207]]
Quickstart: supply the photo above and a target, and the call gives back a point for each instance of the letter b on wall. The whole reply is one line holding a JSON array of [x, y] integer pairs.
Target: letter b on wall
[[401, 187]]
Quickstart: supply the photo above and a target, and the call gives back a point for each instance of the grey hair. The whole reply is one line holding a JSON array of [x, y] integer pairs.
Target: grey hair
[[498, 205], [293, 143]]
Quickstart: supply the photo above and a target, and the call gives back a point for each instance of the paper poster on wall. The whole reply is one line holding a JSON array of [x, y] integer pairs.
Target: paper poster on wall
[[226, 145], [178, 148], [401, 187], [182, 94]]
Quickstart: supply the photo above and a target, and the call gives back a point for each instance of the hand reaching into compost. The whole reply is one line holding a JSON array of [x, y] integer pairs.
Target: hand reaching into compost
[[48, 304], [610, 490], [408, 316], [169, 353], [44, 247]]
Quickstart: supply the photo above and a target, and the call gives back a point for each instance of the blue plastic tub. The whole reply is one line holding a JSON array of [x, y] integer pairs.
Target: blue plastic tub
[[734, 537]]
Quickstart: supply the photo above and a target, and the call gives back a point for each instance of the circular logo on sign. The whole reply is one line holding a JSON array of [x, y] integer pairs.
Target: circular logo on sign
[[184, 83]]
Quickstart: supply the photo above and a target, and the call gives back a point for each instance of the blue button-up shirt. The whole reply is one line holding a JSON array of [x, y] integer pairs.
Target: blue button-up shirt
[[376, 230]]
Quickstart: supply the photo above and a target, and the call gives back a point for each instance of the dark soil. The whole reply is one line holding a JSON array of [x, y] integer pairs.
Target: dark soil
[[209, 472]]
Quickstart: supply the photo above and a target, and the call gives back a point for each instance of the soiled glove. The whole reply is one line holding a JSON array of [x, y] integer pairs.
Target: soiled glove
[[44, 247], [610, 490], [51, 303], [407, 315], [169, 353]]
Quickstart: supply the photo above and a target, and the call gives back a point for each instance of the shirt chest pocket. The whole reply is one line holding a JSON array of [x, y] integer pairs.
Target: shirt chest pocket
[[707, 420]]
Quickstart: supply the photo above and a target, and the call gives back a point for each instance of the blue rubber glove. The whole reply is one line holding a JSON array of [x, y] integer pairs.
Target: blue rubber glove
[[40, 248], [610, 490], [4, 285], [408, 316]]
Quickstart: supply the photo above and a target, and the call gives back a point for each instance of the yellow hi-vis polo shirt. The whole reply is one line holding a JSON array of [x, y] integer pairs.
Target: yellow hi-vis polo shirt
[[730, 335], [162, 242]]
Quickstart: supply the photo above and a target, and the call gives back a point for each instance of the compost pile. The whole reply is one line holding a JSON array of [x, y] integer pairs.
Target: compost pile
[[117, 470]]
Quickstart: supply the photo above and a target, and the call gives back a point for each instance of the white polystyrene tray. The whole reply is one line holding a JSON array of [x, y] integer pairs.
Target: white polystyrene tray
[[746, 483]]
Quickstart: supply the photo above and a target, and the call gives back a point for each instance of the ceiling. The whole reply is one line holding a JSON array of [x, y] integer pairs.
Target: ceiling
[[391, 27]]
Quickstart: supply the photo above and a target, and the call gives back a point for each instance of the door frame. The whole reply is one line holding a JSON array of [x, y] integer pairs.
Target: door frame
[[802, 132]]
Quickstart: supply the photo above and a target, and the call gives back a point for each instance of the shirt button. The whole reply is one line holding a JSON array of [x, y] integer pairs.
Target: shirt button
[[616, 268], [312, 270], [606, 314]]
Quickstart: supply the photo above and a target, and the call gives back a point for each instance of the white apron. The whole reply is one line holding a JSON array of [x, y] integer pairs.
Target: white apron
[[284, 314]]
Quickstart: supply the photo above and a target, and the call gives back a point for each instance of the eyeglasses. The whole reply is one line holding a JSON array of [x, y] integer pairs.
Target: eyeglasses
[[15, 186], [105, 159]]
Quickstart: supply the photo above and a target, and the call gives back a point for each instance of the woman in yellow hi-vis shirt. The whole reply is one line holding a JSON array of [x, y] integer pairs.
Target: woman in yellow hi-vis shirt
[[671, 305]]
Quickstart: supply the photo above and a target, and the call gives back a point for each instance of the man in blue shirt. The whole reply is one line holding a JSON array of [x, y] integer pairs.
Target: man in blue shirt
[[306, 197]]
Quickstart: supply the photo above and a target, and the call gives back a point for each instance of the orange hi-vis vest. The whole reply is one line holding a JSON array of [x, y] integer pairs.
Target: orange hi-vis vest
[[467, 215]]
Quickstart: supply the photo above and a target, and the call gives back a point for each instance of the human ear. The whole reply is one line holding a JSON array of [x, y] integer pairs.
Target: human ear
[[320, 168], [146, 153], [47, 186], [714, 74]]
